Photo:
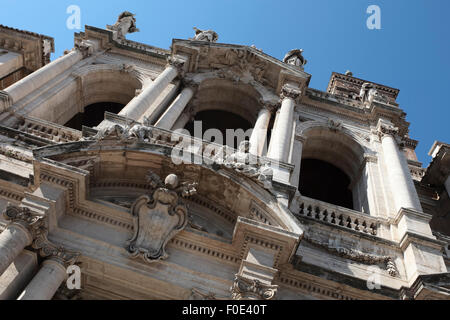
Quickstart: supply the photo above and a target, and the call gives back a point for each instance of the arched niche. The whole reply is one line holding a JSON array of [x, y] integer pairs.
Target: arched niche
[[332, 167]]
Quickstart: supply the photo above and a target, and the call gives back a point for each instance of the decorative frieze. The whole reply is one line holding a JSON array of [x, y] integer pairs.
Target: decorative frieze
[[356, 255]]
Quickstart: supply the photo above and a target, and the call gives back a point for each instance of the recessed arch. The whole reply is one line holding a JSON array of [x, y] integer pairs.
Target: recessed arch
[[332, 159]]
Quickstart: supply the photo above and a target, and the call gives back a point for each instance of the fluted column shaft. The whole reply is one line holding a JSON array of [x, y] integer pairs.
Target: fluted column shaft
[[12, 242], [45, 282], [177, 107], [259, 133], [402, 185], [137, 107], [280, 143]]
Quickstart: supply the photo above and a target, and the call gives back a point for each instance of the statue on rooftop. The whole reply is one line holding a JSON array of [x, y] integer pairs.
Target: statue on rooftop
[[295, 58], [205, 35], [126, 23]]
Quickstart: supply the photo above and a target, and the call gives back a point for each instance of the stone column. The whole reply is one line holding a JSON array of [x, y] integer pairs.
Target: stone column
[[18, 275], [45, 282], [259, 133], [40, 77], [280, 143], [399, 177], [17, 235], [137, 107], [177, 107], [53, 270]]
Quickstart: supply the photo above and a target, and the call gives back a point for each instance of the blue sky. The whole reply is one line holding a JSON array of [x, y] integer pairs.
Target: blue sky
[[410, 51]]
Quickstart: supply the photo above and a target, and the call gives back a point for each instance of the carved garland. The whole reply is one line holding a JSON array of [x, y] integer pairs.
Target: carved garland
[[358, 256]]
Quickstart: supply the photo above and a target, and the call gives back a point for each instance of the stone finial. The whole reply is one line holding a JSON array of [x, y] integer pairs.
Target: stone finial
[[126, 23], [205, 35], [295, 58], [349, 73]]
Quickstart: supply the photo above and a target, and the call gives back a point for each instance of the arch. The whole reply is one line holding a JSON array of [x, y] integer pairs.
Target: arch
[[108, 82], [104, 87], [88, 85], [331, 149]]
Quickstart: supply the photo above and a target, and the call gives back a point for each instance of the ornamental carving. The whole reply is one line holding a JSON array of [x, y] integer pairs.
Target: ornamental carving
[[176, 62], [386, 129], [356, 255], [247, 164], [25, 217], [252, 289], [158, 217], [51, 251], [39, 232], [288, 91], [334, 125]]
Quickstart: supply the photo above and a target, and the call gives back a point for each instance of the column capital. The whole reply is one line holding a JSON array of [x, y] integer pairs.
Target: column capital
[[290, 91], [53, 252], [250, 289], [86, 47], [386, 129], [24, 217], [177, 62]]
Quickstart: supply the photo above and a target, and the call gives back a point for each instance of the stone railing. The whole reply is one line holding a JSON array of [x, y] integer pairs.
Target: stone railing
[[47, 130], [321, 211]]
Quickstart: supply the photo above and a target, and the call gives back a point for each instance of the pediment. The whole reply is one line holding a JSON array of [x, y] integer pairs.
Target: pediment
[[244, 61]]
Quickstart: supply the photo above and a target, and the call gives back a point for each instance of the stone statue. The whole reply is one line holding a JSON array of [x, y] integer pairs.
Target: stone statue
[[295, 58], [126, 23], [205, 35]]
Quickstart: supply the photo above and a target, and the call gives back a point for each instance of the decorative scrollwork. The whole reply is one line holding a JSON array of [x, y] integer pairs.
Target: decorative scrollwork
[[252, 289]]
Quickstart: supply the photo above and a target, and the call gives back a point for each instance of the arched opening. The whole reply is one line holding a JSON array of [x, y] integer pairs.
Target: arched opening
[[331, 169], [93, 115], [220, 120], [88, 88], [323, 181], [223, 104]]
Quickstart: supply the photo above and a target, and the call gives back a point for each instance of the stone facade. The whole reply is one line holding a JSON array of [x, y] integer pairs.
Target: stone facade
[[146, 221]]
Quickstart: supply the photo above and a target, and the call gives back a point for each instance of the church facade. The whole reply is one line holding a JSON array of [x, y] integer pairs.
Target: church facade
[[209, 171]]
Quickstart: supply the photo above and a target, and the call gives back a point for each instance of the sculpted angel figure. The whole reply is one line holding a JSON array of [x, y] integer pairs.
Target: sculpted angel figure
[[295, 58]]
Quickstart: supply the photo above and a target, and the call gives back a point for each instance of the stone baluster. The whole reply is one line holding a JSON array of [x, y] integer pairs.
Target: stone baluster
[[280, 143], [402, 185], [177, 107], [18, 234], [139, 105], [40, 77], [259, 133]]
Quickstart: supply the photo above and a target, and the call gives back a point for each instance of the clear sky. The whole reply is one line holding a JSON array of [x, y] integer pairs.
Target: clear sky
[[410, 51]]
